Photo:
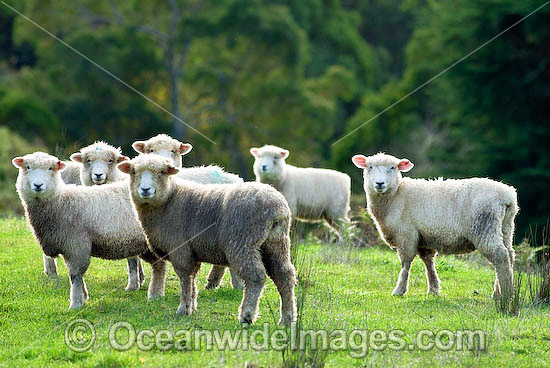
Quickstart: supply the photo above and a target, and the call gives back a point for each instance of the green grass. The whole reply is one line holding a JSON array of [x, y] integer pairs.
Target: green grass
[[350, 294]]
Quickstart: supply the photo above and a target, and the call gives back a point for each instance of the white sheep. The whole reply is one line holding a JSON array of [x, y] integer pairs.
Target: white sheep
[[312, 194], [166, 146], [172, 149], [426, 217], [97, 163], [245, 226], [78, 222]]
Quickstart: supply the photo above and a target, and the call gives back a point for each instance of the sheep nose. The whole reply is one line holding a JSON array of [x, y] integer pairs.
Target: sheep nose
[[38, 186], [379, 184], [146, 190], [264, 167], [98, 176]]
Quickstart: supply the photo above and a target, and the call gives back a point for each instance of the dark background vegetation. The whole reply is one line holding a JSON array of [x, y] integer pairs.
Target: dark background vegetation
[[299, 74]]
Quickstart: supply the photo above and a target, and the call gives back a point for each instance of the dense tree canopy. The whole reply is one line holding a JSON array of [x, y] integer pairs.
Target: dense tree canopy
[[299, 74]]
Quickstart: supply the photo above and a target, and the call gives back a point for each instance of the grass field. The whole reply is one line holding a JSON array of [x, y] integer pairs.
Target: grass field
[[338, 292]]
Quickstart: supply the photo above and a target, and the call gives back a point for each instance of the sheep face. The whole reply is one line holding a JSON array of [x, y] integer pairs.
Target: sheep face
[[149, 178], [164, 146], [38, 174], [99, 162], [269, 164], [381, 172]]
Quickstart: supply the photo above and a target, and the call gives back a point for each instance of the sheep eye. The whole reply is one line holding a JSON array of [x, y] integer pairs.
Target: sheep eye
[[28, 167], [51, 168], [89, 161], [370, 167], [173, 151], [111, 161], [150, 151], [392, 168]]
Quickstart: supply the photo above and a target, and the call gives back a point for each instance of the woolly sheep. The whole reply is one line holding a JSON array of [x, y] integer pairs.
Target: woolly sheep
[[78, 222], [312, 194], [245, 226], [97, 163], [166, 146], [70, 175], [426, 217], [172, 149]]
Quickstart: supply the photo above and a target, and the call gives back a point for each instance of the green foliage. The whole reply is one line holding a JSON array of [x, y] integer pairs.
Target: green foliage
[[12, 145]]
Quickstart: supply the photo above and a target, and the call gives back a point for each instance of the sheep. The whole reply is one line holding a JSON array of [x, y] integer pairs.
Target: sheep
[[172, 149], [245, 226], [78, 222], [426, 217], [312, 194], [70, 175], [166, 146], [97, 165]]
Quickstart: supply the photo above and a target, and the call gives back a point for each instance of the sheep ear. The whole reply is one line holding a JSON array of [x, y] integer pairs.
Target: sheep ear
[[122, 158], [285, 153], [172, 170], [254, 151], [139, 146], [125, 167], [18, 162], [360, 161], [61, 165], [76, 157], [185, 148], [405, 165]]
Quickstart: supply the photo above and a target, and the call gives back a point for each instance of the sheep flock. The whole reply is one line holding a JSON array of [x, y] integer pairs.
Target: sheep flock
[[103, 204]]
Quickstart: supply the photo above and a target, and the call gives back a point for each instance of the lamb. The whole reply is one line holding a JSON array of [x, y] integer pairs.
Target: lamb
[[97, 165], [426, 217], [312, 194], [245, 226], [172, 149], [78, 222]]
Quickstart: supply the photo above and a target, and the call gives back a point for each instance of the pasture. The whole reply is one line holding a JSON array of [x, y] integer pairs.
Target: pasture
[[340, 289]]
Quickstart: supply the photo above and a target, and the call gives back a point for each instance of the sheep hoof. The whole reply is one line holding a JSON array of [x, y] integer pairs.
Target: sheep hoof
[[434, 292], [211, 286], [76, 305], [287, 321], [184, 309], [152, 297], [399, 291], [246, 318], [133, 286]]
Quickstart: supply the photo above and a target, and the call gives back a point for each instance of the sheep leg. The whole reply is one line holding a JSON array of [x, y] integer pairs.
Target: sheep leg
[[188, 296], [133, 274], [215, 276], [283, 274], [158, 280], [158, 275], [50, 266], [406, 259], [236, 281], [77, 266], [141, 274], [499, 257], [253, 275], [427, 256]]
